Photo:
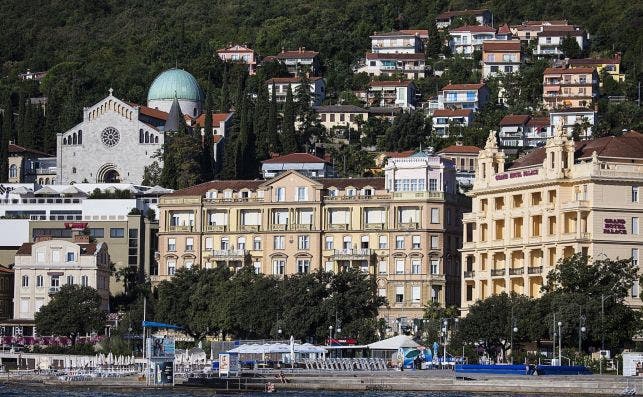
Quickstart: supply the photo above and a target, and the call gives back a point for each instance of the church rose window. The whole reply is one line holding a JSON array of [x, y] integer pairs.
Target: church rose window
[[110, 136]]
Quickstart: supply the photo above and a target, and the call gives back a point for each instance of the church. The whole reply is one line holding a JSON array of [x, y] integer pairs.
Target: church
[[116, 139]]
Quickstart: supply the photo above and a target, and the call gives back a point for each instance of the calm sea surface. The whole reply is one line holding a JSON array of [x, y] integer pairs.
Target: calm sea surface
[[22, 391]]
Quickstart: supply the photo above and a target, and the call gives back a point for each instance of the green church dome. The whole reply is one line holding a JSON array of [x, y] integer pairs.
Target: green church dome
[[175, 83]]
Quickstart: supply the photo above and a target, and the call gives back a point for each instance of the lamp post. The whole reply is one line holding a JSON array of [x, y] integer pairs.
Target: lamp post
[[279, 334], [581, 330], [603, 298], [445, 330], [330, 334], [560, 344], [513, 329]]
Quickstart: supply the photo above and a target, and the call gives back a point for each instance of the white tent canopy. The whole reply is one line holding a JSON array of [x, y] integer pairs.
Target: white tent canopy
[[394, 343], [268, 348]]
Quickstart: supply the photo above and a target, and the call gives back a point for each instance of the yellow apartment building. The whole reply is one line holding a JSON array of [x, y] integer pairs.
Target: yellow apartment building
[[404, 228], [569, 88], [563, 198]]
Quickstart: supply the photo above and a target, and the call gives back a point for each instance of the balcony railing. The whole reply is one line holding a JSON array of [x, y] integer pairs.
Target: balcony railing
[[516, 271], [373, 226], [279, 227], [54, 290], [230, 254], [534, 270], [175, 228], [470, 274], [302, 226], [249, 228], [216, 228], [497, 272], [408, 225], [338, 226], [353, 253]]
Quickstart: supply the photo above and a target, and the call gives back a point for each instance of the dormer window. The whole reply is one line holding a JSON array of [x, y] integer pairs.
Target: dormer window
[[350, 192], [71, 257], [227, 194], [245, 194], [332, 192], [368, 191], [211, 194]]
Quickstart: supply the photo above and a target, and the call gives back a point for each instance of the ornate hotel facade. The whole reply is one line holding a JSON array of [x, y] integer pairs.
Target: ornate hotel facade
[[404, 228], [563, 198]]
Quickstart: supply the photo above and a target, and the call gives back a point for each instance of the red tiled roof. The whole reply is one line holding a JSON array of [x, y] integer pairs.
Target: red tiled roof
[[515, 119], [456, 87], [396, 83], [5, 269], [538, 122], [504, 29], [235, 48], [560, 33], [217, 138], [379, 55], [558, 28], [150, 112], [501, 45], [397, 155], [474, 29], [85, 249], [13, 148], [460, 149], [296, 54], [201, 189], [594, 61], [358, 183], [531, 28], [452, 112], [397, 33], [629, 146], [450, 14], [217, 118], [555, 22], [294, 158], [568, 71], [419, 32], [289, 80]]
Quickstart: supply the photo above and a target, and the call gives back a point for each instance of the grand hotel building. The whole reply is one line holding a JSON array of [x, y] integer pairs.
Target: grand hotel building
[[405, 228], [563, 198]]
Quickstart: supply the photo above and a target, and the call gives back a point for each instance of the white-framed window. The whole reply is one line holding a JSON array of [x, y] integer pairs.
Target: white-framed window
[[241, 243], [39, 303], [55, 256], [24, 305], [415, 242], [280, 216], [416, 266], [382, 267], [328, 244], [25, 281], [71, 257], [227, 194], [13, 171], [347, 243], [635, 225], [303, 242], [40, 281], [303, 266], [280, 194], [434, 242], [399, 294], [435, 215], [256, 244], [189, 243], [188, 263], [171, 267], [257, 267], [433, 185], [364, 242], [435, 266], [40, 256], [55, 281], [635, 257], [399, 242], [279, 242], [70, 280], [171, 244], [84, 281], [225, 243], [415, 293], [435, 294], [399, 266], [209, 243], [328, 266], [635, 194], [278, 266], [383, 242], [381, 292], [302, 194]]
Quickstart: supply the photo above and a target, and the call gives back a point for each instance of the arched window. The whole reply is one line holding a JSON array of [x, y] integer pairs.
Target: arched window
[[156, 139], [75, 139], [40, 181], [13, 171], [46, 181], [80, 137], [140, 136], [64, 141], [147, 137], [53, 181], [73, 170]]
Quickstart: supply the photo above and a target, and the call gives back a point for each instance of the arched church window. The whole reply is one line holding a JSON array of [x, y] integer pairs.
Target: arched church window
[[13, 171], [73, 170], [147, 137], [46, 181], [75, 139], [64, 141], [80, 137], [194, 112], [140, 136], [156, 139], [40, 181]]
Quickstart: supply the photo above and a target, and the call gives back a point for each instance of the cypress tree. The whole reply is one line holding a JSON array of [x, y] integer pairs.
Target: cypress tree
[[5, 136], [289, 139], [260, 123], [272, 134], [224, 95], [19, 132], [50, 127], [207, 165], [434, 43], [29, 126]]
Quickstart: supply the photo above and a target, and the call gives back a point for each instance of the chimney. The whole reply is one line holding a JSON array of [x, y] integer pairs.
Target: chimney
[[81, 239], [42, 238]]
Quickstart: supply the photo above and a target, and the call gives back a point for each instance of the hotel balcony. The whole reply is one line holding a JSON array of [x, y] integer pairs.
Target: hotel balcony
[[418, 195], [229, 254], [408, 225], [516, 271], [534, 270], [337, 226], [576, 204], [374, 226], [352, 254], [302, 227], [175, 228], [279, 227], [216, 228], [249, 228], [470, 274], [497, 272]]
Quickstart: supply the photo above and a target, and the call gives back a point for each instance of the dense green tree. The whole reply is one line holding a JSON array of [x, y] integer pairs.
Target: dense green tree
[[409, 130], [309, 128], [244, 151], [272, 133], [614, 118], [434, 42], [73, 311], [570, 48], [352, 161], [288, 136], [224, 95], [260, 123], [207, 155], [7, 133]]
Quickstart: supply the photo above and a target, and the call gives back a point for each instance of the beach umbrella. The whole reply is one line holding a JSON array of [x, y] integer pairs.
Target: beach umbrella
[[21, 190]]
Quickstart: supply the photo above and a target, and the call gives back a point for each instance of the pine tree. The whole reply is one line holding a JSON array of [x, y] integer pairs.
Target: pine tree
[[274, 145], [434, 42], [224, 95], [260, 123], [20, 121], [245, 154], [207, 166], [288, 137], [5, 136]]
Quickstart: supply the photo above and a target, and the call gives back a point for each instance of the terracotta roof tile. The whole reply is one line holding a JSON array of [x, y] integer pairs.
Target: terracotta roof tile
[[85, 249], [396, 33], [460, 149], [201, 189], [294, 158], [236, 48], [457, 87], [515, 119], [538, 122], [501, 45], [452, 112], [289, 80], [474, 29], [418, 32], [217, 118], [13, 148], [297, 54], [150, 112], [504, 29], [594, 61], [397, 155], [568, 71]]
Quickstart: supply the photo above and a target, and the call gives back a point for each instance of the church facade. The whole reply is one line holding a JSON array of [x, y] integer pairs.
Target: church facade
[[116, 140]]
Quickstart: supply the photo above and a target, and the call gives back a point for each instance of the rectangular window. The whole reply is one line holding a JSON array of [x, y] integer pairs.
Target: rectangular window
[[399, 294], [635, 194], [209, 243], [280, 194], [469, 293], [278, 267], [415, 293], [383, 242], [55, 281], [171, 267], [280, 242], [40, 256], [55, 256], [303, 266], [225, 243], [189, 244], [381, 292], [416, 266], [256, 244], [416, 242], [364, 242], [382, 267], [70, 257], [241, 243], [171, 244], [24, 305], [399, 266], [399, 242], [70, 280], [116, 232], [257, 267], [303, 242], [435, 215], [635, 257], [302, 194], [434, 242], [84, 281], [328, 266], [435, 266], [328, 243], [635, 225]]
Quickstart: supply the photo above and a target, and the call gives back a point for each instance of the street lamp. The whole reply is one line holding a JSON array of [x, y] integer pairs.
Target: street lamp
[[445, 330], [603, 298], [581, 330], [330, 334], [279, 334], [513, 329], [560, 344]]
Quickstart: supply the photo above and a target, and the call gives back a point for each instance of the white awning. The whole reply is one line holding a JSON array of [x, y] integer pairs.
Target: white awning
[[394, 343]]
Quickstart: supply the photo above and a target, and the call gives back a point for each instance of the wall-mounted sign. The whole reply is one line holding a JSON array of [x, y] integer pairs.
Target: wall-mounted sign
[[516, 174], [614, 226]]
